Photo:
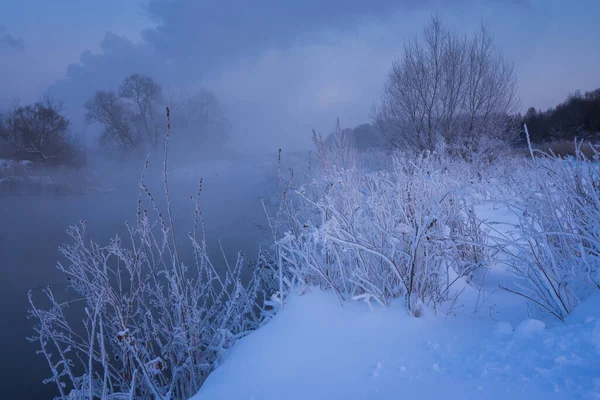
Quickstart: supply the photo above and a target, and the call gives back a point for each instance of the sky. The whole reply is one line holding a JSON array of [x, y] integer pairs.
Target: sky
[[280, 68]]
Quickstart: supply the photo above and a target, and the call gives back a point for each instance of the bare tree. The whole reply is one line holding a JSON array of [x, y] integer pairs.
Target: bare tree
[[491, 91], [145, 94], [40, 131], [108, 110], [129, 116], [447, 89]]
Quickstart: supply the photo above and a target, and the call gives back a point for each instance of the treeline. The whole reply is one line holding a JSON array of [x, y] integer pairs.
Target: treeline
[[578, 116], [447, 93], [458, 94], [131, 119]]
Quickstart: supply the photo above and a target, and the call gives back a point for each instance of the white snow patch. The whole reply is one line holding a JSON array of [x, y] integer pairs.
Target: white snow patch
[[530, 327], [11, 164], [504, 328], [316, 349]]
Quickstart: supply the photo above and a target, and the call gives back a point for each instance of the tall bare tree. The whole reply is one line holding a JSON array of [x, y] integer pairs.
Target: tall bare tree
[[129, 117], [109, 110], [491, 91], [448, 89], [145, 94]]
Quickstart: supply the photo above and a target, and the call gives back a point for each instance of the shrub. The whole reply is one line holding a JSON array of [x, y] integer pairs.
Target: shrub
[[39, 132], [559, 250], [377, 235], [153, 326]]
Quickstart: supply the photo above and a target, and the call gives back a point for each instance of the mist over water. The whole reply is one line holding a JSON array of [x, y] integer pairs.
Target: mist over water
[[34, 226]]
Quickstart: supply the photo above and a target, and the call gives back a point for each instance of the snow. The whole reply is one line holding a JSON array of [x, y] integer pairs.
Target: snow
[[6, 164], [316, 348], [10, 167], [530, 327], [504, 328], [11, 179]]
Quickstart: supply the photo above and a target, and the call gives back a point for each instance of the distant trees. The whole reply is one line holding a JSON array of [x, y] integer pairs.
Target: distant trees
[[3, 142], [40, 132], [202, 119], [449, 90], [578, 116], [133, 116], [363, 137]]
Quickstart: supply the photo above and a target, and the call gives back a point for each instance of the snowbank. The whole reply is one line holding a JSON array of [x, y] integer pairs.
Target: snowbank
[[6, 164], [27, 177], [316, 349]]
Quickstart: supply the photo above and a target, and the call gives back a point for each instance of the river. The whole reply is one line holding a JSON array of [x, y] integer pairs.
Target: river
[[32, 227]]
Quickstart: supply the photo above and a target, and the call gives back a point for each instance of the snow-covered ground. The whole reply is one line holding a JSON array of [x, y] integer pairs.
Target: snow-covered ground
[[27, 177], [316, 348], [18, 173], [6, 164]]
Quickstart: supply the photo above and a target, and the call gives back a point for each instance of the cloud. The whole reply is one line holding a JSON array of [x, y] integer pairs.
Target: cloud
[[118, 58], [10, 41], [246, 54], [206, 34], [283, 68]]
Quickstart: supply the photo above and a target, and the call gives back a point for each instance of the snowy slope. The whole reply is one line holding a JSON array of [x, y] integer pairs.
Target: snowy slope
[[317, 349]]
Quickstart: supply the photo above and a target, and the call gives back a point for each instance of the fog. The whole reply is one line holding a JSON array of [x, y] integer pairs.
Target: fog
[[281, 69], [278, 68], [33, 226]]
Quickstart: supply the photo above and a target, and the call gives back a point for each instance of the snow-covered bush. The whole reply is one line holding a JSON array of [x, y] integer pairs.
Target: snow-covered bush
[[153, 326], [558, 252], [378, 235]]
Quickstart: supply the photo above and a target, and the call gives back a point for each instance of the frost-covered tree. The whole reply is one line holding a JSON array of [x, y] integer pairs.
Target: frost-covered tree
[[446, 89]]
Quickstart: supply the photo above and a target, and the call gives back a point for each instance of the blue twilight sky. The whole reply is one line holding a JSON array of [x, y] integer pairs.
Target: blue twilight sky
[[280, 67]]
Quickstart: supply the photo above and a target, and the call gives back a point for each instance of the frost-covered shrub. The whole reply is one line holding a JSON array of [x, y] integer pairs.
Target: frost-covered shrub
[[404, 231], [558, 253], [151, 325]]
